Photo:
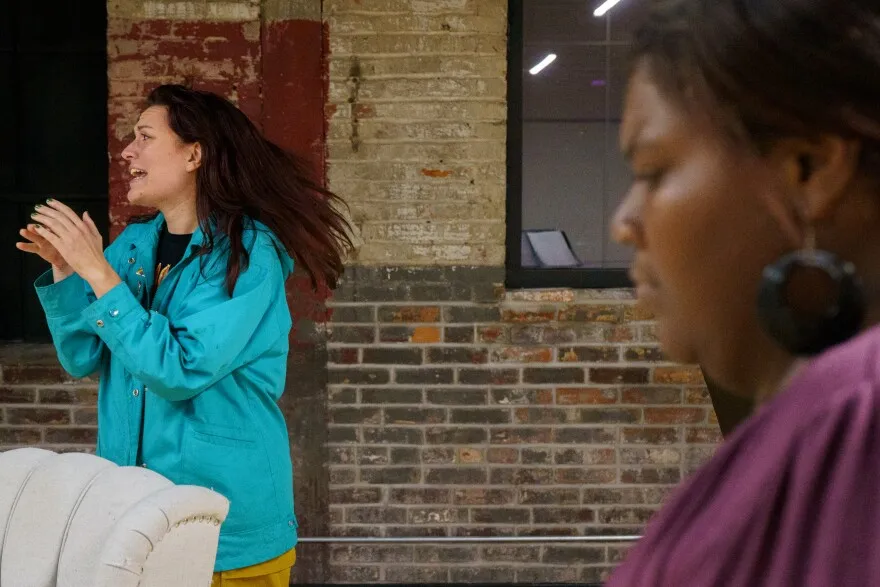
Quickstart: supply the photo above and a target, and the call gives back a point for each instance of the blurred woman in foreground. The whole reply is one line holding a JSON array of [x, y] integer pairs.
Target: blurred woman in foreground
[[753, 130]]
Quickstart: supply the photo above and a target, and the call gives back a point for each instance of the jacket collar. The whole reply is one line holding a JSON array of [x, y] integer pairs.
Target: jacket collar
[[153, 229]]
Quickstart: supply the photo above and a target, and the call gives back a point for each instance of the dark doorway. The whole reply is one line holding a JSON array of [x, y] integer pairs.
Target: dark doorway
[[53, 135]]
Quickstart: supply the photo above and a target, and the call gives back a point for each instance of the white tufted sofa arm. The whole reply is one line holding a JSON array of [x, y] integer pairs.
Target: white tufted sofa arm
[[76, 520]]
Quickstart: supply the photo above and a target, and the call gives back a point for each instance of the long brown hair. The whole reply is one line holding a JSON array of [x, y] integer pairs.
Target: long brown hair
[[244, 175], [772, 68]]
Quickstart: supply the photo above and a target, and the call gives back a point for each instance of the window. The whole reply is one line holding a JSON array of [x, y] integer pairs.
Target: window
[[53, 134], [565, 171]]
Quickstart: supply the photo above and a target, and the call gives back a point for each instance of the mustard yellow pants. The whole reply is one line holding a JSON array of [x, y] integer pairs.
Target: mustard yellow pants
[[273, 573]]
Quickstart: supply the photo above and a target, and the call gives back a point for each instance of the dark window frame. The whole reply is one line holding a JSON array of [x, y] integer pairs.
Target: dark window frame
[[516, 276]]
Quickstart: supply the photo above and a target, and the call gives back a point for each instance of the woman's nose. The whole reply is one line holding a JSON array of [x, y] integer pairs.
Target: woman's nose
[[128, 152], [626, 223]]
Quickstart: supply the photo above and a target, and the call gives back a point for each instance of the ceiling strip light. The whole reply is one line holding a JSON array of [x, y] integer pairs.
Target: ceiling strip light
[[543, 63], [605, 7]]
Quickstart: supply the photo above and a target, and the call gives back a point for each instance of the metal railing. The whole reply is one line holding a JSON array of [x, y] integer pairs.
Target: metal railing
[[463, 539]]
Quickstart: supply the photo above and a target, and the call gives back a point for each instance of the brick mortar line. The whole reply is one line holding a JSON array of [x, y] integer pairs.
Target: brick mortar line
[[531, 365], [517, 304], [495, 506], [49, 426], [335, 12], [421, 100], [520, 425], [546, 466], [511, 406], [335, 54], [418, 34], [528, 365], [446, 182], [609, 487], [422, 221], [541, 446], [431, 141], [499, 304], [420, 163], [37, 404], [497, 386], [439, 75]]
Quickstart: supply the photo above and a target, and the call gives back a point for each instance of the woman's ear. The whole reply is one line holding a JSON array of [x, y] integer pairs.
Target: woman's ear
[[819, 171], [195, 157]]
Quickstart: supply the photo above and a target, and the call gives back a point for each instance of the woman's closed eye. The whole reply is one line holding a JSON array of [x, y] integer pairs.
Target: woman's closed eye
[[649, 178]]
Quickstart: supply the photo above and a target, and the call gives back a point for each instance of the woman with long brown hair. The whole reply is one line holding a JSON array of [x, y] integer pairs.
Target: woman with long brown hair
[[185, 314]]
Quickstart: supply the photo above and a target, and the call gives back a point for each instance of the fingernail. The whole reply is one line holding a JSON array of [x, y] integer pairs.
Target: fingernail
[[49, 200], [38, 226], [38, 206], [34, 215]]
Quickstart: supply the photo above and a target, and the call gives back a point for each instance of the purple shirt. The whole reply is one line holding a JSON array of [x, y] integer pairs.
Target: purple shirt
[[792, 499]]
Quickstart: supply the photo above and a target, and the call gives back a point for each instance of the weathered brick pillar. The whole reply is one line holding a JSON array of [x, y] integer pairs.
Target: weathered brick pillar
[[294, 80]]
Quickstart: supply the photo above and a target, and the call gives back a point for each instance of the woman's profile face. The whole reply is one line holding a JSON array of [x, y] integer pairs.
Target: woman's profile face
[[698, 218], [162, 168]]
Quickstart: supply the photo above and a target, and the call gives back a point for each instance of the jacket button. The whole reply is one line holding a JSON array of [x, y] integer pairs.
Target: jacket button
[[131, 261], [136, 392], [100, 323], [114, 313]]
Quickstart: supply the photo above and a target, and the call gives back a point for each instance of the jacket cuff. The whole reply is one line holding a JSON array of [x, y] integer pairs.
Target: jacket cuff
[[69, 296], [113, 313]]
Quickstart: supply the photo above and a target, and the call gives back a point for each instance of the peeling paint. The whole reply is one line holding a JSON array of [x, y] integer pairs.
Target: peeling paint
[[436, 172]]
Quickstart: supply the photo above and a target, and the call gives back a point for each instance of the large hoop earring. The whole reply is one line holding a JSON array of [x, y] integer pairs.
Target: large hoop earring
[[809, 331]]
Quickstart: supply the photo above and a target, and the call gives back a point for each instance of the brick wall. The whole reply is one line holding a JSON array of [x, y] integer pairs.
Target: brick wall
[[41, 405], [458, 409], [416, 141]]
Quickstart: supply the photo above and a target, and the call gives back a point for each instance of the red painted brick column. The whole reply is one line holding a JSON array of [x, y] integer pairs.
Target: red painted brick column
[[294, 80]]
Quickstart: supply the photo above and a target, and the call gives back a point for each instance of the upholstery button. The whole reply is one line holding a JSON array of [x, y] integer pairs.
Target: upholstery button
[[136, 392], [131, 261], [114, 313], [100, 323]]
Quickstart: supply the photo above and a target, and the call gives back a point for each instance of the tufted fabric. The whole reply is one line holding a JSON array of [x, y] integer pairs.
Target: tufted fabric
[[77, 520]]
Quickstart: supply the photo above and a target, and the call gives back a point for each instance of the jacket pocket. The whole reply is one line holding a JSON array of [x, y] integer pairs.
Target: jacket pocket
[[221, 435], [232, 463]]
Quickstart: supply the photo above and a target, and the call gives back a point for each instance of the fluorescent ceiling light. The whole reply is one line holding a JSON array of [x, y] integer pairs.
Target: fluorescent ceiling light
[[543, 63], [605, 7]]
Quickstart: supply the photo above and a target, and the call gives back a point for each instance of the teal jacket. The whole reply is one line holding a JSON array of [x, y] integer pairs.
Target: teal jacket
[[206, 369]]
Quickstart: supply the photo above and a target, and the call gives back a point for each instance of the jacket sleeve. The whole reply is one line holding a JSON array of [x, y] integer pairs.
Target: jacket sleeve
[[79, 349], [179, 360]]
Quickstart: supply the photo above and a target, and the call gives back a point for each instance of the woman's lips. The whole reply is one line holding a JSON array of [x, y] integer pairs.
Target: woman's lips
[[645, 287]]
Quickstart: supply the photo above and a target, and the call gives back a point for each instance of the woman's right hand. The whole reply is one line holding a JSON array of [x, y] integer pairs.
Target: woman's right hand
[[41, 247]]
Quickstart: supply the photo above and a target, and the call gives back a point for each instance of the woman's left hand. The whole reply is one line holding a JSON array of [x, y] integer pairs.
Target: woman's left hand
[[78, 241]]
